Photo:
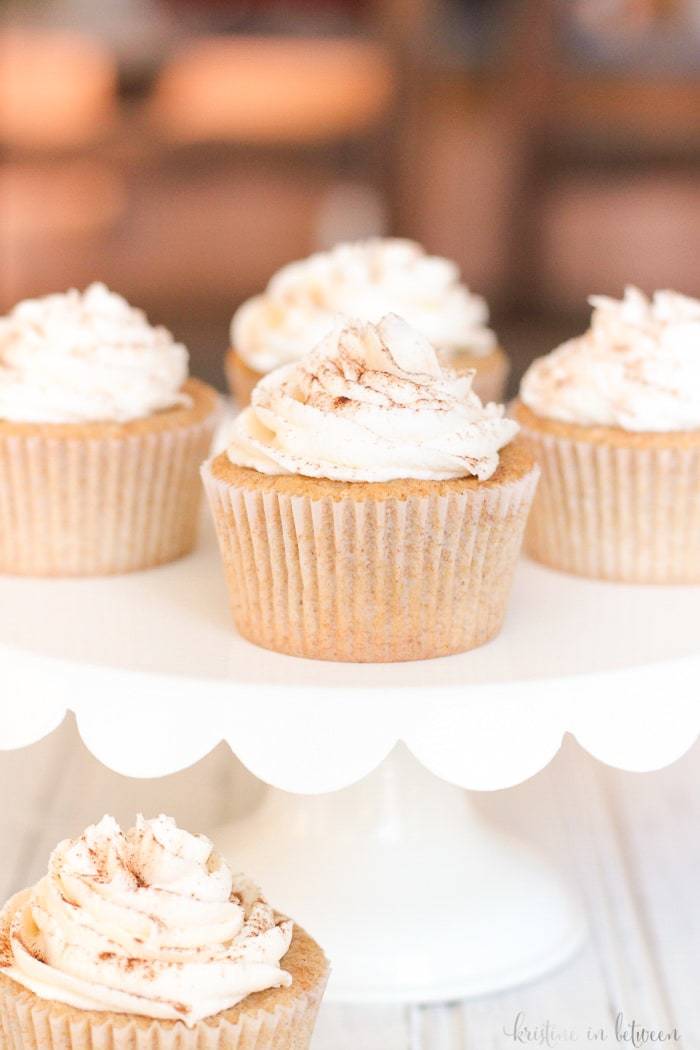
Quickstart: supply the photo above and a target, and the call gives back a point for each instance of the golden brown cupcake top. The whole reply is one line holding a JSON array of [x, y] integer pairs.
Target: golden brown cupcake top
[[516, 460]]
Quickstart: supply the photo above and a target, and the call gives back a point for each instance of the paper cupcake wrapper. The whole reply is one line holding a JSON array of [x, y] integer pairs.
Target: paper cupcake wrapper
[[604, 511], [375, 580], [99, 505], [30, 1023]]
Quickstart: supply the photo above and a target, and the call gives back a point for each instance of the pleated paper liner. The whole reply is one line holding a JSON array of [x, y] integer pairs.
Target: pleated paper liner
[[399, 571], [615, 506], [103, 498], [278, 1019], [489, 382]]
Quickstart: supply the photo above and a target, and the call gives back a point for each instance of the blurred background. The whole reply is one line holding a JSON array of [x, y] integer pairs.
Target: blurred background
[[182, 150]]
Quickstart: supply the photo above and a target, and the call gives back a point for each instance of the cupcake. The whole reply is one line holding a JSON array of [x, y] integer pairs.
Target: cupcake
[[145, 940], [613, 417], [364, 280], [101, 438], [368, 506]]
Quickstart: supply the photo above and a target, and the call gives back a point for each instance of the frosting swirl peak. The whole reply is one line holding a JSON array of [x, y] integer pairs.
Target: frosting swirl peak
[[304, 301], [150, 921], [371, 403], [80, 357], [636, 368]]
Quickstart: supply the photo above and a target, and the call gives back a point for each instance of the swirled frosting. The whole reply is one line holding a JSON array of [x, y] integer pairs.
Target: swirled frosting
[[86, 357], [636, 368], [365, 280], [149, 922], [371, 403]]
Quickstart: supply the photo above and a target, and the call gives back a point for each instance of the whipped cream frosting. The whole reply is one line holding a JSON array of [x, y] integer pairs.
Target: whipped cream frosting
[[371, 403], [86, 357], [149, 922], [636, 368], [366, 280]]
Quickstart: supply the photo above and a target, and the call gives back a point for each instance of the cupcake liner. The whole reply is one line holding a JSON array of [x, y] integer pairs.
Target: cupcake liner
[[618, 513], [370, 580], [94, 505], [30, 1023]]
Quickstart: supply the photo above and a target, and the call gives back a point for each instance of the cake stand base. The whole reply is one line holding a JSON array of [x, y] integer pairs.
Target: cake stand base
[[411, 893]]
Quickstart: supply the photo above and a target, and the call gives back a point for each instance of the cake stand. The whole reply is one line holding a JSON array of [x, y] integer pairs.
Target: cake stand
[[364, 835]]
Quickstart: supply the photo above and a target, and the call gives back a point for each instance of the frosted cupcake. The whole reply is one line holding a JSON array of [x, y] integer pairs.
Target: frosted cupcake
[[368, 279], [368, 506], [613, 417], [145, 940], [101, 438]]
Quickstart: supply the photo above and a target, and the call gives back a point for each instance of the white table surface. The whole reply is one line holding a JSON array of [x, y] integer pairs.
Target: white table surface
[[629, 842]]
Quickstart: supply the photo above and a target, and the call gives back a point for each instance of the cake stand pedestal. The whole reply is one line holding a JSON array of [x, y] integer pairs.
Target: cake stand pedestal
[[413, 896]]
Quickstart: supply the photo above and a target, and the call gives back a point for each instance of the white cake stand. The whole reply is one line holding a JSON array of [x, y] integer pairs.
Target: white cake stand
[[414, 898]]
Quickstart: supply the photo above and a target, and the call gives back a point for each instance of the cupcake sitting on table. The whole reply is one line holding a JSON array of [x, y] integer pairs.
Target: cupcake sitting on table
[[101, 437], [364, 280], [368, 506], [146, 940], [613, 417]]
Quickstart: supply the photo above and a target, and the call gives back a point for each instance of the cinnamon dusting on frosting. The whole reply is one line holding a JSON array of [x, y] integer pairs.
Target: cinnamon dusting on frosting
[[637, 368], [160, 926], [371, 403], [307, 299], [81, 357]]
